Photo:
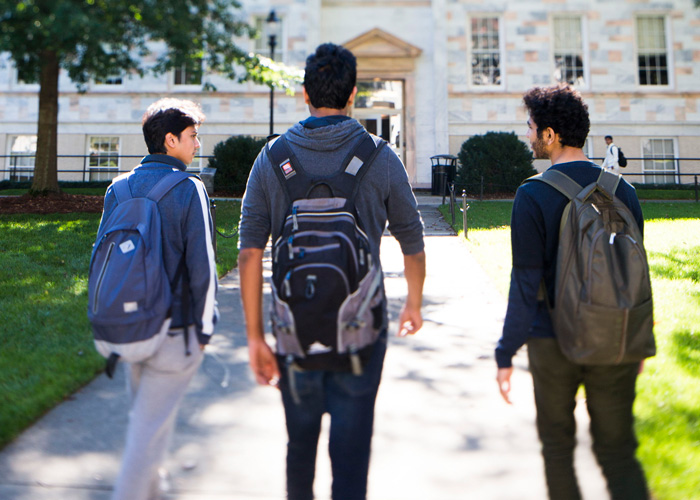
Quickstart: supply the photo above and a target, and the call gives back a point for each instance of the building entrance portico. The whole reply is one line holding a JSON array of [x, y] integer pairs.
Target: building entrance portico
[[386, 101]]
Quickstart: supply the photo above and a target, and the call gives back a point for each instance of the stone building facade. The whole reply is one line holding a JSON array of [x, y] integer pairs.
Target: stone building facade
[[431, 75]]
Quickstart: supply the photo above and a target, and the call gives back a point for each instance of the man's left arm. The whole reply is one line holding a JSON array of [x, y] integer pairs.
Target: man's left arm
[[411, 319], [201, 263]]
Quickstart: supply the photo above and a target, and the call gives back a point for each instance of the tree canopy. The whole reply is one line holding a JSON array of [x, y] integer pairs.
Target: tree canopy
[[96, 39]]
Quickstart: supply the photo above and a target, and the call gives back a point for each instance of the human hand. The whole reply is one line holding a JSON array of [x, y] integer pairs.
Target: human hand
[[503, 379], [263, 363], [410, 321]]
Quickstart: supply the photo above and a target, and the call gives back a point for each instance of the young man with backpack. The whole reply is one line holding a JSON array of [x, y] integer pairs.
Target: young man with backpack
[[324, 191], [544, 313], [614, 158], [157, 382]]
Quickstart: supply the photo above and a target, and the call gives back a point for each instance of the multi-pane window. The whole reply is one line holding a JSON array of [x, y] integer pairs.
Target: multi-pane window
[[21, 159], [659, 161], [189, 73], [568, 50], [485, 51], [103, 157], [652, 56]]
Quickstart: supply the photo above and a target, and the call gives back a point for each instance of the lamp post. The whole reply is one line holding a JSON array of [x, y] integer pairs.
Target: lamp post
[[272, 27]]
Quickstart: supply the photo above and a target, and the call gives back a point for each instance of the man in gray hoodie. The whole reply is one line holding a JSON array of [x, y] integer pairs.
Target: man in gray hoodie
[[321, 143]]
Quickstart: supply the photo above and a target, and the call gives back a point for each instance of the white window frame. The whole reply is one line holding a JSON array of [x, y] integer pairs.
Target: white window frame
[[22, 170], [649, 162], [501, 54], [98, 172], [260, 45], [581, 51], [668, 52]]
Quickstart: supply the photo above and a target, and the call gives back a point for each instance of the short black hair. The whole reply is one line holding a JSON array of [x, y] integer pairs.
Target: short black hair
[[609, 137], [561, 108], [330, 76], [165, 116]]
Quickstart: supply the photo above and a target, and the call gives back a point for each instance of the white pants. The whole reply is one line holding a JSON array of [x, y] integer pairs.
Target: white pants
[[156, 387]]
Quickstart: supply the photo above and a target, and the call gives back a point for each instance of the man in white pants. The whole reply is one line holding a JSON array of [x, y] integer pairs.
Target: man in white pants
[[157, 385], [612, 159]]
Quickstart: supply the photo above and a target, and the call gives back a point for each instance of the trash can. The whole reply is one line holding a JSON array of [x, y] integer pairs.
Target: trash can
[[444, 168]]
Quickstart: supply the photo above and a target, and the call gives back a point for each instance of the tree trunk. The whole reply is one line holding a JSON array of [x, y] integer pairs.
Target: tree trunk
[[45, 168]]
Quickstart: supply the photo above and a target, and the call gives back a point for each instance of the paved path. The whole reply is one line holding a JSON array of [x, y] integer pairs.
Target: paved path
[[442, 431]]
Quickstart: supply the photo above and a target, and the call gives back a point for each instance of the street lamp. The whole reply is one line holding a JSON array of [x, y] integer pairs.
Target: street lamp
[[273, 24]]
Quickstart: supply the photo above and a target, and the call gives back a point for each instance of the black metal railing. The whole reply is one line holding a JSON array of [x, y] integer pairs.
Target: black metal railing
[[83, 169]]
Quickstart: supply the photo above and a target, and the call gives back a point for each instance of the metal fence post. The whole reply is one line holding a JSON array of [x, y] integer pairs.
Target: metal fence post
[[465, 207], [696, 189], [452, 202]]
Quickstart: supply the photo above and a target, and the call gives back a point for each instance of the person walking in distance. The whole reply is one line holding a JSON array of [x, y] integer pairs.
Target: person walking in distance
[[333, 153], [612, 156], [157, 384], [558, 125]]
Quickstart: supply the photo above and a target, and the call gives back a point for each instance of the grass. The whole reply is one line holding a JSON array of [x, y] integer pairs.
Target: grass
[[47, 350], [666, 410]]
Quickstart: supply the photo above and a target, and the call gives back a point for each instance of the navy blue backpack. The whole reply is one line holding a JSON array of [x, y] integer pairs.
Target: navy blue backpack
[[129, 293]]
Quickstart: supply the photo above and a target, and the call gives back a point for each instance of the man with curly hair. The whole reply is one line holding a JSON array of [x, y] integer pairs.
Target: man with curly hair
[[557, 128]]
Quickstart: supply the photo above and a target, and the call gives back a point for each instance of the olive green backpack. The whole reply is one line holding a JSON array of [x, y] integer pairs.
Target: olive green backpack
[[602, 312]]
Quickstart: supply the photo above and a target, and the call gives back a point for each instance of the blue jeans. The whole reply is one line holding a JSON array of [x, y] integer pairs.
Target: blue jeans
[[610, 393], [349, 399]]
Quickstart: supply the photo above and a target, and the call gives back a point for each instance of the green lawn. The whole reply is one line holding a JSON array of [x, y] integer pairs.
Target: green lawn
[[47, 351], [667, 409]]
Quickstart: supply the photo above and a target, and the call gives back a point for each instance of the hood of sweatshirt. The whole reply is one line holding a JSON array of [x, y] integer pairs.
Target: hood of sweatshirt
[[327, 139]]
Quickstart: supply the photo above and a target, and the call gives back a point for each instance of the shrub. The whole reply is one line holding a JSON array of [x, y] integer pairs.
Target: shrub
[[501, 158], [233, 159]]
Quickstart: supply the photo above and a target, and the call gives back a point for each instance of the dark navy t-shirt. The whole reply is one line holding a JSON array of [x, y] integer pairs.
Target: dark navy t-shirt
[[535, 220]]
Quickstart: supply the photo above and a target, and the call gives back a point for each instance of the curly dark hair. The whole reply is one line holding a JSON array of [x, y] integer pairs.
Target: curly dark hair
[[561, 108], [330, 76]]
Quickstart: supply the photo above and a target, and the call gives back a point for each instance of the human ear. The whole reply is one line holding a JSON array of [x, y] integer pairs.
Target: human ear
[[352, 98], [549, 135], [170, 140]]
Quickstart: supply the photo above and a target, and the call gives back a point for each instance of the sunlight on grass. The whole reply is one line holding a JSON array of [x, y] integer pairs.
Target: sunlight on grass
[[47, 345]]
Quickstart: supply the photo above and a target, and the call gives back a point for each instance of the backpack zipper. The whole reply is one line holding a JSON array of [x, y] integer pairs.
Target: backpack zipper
[[102, 274]]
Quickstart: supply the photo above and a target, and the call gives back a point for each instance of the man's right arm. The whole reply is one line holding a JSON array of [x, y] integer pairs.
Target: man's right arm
[[411, 319], [262, 360]]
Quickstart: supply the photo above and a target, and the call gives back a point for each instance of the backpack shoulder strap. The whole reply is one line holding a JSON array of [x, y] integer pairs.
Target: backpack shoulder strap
[[121, 189], [608, 182], [559, 181], [164, 185], [297, 182], [362, 158], [289, 172]]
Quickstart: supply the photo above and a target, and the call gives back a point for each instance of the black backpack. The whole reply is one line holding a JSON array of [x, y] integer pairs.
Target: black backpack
[[621, 160], [327, 290], [603, 312]]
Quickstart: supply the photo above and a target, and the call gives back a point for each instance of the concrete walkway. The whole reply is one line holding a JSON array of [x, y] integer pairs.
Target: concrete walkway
[[442, 431]]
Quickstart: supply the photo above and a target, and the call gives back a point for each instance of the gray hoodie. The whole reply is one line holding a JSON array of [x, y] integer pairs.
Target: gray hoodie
[[385, 194]]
